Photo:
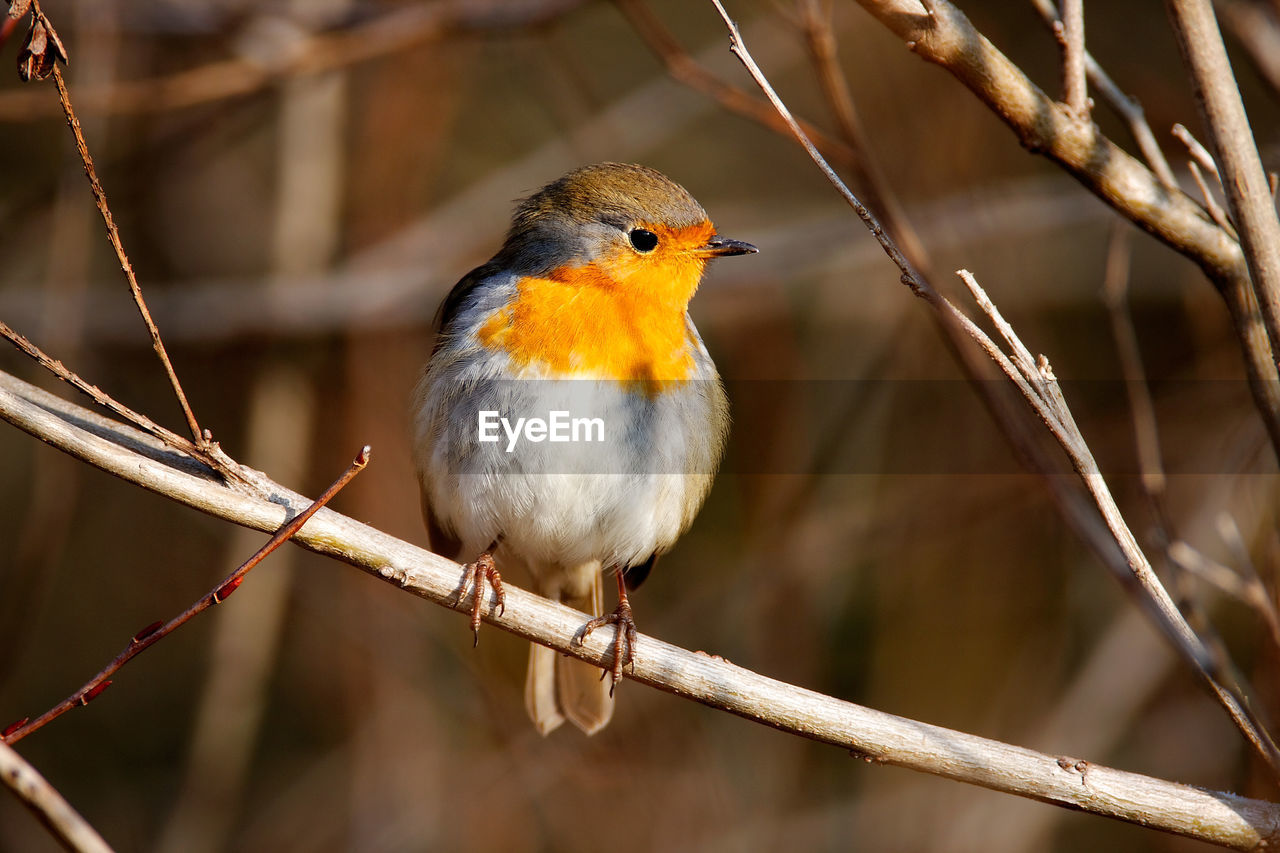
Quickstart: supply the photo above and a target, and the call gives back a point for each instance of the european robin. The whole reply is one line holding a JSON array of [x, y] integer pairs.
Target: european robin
[[570, 419]]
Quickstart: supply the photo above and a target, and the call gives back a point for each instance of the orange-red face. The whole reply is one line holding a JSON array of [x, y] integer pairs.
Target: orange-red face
[[621, 315]]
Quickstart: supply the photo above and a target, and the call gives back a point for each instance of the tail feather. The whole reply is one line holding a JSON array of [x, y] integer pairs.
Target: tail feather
[[559, 688]]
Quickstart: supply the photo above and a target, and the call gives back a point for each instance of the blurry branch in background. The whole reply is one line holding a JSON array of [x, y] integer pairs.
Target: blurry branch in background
[[687, 70], [1245, 183], [1256, 24], [44, 801], [820, 39], [1244, 585], [282, 54], [1039, 388], [157, 631], [1218, 818], [1128, 108], [1150, 461], [941, 34], [1146, 434]]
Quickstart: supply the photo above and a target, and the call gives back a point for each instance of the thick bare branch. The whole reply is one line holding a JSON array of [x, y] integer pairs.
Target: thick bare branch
[[1219, 818]]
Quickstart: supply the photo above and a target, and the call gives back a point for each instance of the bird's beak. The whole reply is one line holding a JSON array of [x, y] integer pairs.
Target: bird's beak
[[720, 247]]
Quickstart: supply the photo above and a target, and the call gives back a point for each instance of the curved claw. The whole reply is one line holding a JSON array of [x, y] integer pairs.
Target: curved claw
[[624, 639], [474, 575]]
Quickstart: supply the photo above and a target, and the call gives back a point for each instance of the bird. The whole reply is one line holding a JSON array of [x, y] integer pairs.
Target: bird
[[580, 320]]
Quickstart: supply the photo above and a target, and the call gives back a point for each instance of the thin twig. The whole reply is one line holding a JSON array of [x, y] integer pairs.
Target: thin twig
[[1197, 151], [1127, 107], [48, 805], [1210, 203], [1218, 818], [157, 631], [113, 234], [1040, 389], [209, 454], [1075, 92], [1236, 153]]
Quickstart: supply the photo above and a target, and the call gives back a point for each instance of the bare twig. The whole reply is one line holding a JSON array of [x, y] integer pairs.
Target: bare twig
[[1210, 203], [1075, 93], [210, 454], [1219, 818], [49, 806], [157, 631], [113, 234], [1243, 180], [1035, 380], [1197, 151], [1128, 108]]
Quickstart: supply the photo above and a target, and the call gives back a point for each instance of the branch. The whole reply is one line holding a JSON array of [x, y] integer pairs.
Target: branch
[[113, 235], [944, 36], [1126, 107], [1035, 381], [48, 805], [1220, 818], [1075, 92], [157, 631], [687, 70], [405, 28], [210, 454], [1243, 179]]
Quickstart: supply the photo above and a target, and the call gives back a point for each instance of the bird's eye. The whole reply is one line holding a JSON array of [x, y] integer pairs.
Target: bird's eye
[[644, 241]]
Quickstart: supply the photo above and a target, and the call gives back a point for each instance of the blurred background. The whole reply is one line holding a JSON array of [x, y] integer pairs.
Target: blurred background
[[300, 182]]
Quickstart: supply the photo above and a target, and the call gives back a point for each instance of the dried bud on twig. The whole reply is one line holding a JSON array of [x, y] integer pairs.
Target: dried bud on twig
[[18, 8], [41, 49]]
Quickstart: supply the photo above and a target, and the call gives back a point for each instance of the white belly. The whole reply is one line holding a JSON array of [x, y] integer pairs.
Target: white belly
[[616, 497]]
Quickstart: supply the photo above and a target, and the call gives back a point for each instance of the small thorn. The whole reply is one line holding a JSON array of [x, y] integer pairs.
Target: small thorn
[[94, 692], [147, 631], [13, 727]]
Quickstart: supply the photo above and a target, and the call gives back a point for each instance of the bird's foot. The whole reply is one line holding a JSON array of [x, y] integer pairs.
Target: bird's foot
[[474, 576], [624, 640]]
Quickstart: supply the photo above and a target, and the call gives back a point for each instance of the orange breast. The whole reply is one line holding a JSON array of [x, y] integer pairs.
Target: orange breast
[[626, 322]]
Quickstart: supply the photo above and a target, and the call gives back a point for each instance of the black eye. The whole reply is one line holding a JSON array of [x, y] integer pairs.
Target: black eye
[[643, 240]]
